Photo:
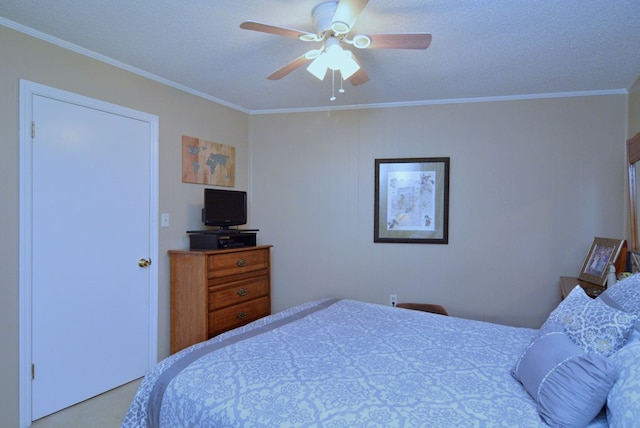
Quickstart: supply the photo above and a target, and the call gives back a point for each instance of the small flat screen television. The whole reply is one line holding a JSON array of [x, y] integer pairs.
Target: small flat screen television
[[224, 208]]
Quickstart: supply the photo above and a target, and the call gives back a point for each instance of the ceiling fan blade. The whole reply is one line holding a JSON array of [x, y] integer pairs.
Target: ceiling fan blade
[[348, 12], [359, 77], [292, 66], [274, 29], [400, 41]]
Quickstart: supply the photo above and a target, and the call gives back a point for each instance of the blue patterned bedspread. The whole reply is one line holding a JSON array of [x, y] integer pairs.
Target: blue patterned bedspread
[[343, 363]]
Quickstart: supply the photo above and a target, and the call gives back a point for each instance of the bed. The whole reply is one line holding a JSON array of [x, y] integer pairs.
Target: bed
[[345, 363]]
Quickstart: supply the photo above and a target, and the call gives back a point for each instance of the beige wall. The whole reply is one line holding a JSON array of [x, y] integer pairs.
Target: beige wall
[[532, 182], [23, 57]]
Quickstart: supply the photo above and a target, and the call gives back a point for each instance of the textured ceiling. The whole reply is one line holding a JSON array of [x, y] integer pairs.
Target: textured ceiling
[[480, 49]]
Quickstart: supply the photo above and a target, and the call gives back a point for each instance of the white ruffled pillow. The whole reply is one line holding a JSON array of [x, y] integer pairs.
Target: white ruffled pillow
[[592, 324]]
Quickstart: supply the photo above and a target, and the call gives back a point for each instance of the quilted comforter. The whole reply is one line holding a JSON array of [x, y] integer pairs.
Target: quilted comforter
[[343, 363]]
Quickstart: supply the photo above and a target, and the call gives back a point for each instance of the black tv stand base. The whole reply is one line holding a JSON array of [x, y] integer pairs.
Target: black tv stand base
[[222, 231], [221, 239]]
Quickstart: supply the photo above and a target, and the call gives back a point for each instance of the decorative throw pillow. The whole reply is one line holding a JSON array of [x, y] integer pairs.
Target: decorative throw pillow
[[591, 323], [569, 386], [624, 294], [623, 402]]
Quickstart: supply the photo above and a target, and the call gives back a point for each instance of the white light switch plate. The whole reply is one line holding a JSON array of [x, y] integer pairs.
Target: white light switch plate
[[164, 220]]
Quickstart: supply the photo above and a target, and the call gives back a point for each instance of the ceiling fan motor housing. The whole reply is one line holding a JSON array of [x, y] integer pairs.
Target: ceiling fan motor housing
[[323, 16]]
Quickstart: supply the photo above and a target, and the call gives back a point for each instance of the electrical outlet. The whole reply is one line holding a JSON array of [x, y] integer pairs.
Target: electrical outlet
[[393, 299]]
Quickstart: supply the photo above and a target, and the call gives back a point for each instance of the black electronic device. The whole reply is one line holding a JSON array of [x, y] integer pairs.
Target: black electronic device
[[224, 208], [206, 240]]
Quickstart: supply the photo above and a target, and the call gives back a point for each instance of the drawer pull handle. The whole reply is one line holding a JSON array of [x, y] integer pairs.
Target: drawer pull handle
[[241, 262], [242, 315], [242, 292]]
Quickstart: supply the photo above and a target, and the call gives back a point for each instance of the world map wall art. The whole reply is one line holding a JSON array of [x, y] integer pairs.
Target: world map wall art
[[206, 162]]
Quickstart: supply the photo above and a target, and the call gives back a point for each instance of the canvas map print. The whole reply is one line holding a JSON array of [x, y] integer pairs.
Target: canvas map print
[[206, 162]]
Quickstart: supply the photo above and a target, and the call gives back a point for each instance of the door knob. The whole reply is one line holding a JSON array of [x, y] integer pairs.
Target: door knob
[[144, 262]]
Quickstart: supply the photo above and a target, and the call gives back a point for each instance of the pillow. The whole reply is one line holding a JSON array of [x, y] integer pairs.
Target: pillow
[[591, 323], [569, 386], [624, 294], [623, 402]]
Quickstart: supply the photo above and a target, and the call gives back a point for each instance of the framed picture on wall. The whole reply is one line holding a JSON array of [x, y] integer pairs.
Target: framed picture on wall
[[412, 200], [603, 252]]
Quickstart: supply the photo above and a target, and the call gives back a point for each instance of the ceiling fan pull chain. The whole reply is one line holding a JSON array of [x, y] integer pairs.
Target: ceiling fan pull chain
[[333, 86], [341, 90]]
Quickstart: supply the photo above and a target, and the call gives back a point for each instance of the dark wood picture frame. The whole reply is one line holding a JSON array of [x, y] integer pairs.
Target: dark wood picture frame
[[412, 200]]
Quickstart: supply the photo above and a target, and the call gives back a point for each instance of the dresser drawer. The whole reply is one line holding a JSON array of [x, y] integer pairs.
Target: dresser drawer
[[212, 291], [237, 315], [226, 264], [238, 292]]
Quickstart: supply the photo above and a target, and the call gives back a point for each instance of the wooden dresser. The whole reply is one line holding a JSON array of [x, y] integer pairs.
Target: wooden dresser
[[213, 291]]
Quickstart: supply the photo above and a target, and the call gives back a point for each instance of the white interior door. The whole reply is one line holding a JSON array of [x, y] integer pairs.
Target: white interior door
[[91, 210]]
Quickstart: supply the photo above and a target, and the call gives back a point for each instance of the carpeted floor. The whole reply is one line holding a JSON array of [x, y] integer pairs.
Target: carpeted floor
[[104, 411]]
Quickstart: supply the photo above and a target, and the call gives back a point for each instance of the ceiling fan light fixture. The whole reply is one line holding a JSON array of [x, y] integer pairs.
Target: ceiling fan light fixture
[[313, 54], [308, 37], [339, 27], [346, 64], [361, 41], [318, 66], [333, 57]]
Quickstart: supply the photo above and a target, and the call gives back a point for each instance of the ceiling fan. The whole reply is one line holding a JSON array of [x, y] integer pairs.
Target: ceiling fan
[[333, 21]]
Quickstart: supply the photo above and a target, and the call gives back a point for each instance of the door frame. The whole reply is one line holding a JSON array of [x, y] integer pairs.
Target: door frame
[[27, 91]]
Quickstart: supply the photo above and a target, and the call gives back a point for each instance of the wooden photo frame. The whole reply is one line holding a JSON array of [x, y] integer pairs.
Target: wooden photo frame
[[602, 253], [412, 200]]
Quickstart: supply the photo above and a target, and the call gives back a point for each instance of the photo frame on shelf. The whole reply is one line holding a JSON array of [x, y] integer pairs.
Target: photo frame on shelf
[[602, 253], [412, 200]]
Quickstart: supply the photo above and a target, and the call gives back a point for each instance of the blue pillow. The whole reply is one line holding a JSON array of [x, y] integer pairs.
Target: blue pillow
[[623, 402], [569, 386], [592, 324], [625, 293]]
